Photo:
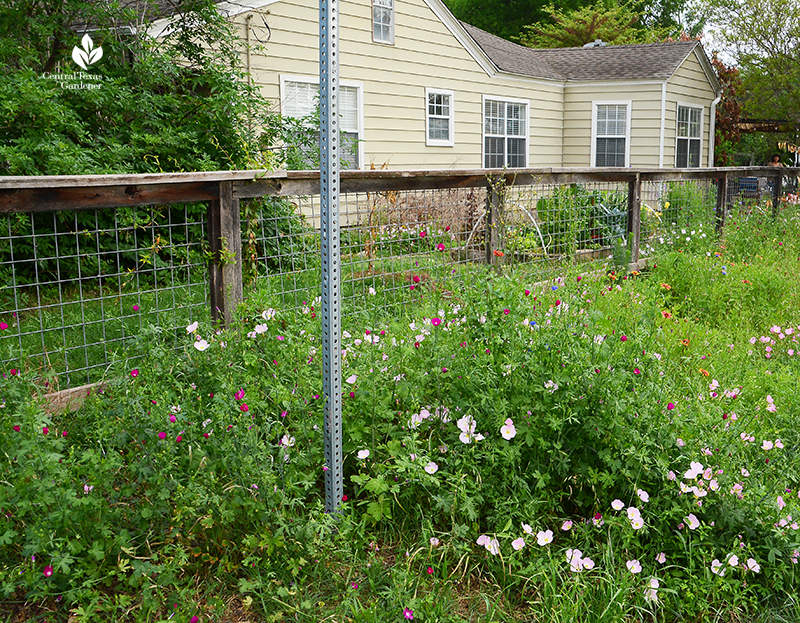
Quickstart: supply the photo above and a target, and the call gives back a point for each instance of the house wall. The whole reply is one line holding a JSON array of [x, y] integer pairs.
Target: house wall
[[689, 85], [645, 115], [394, 78]]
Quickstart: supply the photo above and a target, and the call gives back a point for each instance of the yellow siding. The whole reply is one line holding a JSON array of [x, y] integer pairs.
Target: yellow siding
[[394, 78], [689, 85], [645, 128]]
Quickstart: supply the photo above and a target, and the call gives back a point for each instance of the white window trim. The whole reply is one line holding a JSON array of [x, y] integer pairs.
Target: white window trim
[[511, 100], [390, 41], [359, 86], [432, 142], [627, 129], [702, 110]]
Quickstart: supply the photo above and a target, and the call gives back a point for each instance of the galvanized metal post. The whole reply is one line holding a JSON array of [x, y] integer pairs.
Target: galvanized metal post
[[330, 246]]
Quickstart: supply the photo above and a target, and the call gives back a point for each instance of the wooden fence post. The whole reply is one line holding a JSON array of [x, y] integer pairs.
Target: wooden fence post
[[634, 218], [495, 220], [722, 201], [225, 245], [777, 191]]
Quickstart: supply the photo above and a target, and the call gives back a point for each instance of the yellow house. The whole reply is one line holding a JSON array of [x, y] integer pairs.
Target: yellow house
[[422, 90]]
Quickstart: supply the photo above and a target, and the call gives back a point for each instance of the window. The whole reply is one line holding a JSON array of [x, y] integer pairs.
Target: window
[[689, 132], [505, 134], [611, 130], [383, 21], [439, 117], [300, 98]]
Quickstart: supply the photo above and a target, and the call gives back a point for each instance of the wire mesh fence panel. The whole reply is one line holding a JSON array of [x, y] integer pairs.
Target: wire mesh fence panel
[[679, 215], [394, 244], [80, 286], [552, 225]]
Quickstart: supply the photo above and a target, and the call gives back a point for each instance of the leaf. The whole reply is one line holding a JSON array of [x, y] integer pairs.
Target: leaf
[[80, 57], [95, 55]]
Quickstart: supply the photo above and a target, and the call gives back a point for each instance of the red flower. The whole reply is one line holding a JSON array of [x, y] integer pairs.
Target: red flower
[[527, 292], [45, 430], [244, 408], [436, 321], [670, 406], [416, 278], [3, 326], [178, 439], [636, 371], [416, 344], [48, 571], [498, 253], [623, 338], [558, 302], [162, 435], [16, 428], [344, 498], [440, 247], [63, 433], [134, 373]]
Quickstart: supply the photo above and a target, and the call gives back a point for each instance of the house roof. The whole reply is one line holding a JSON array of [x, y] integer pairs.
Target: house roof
[[652, 61]]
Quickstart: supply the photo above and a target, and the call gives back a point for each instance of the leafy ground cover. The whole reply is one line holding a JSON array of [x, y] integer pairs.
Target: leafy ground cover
[[601, 447]]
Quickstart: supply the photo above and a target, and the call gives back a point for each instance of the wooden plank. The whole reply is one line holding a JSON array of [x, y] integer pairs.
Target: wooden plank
[[225, 266], [722, 201], [87, 181], [634, 217], [56, 198]]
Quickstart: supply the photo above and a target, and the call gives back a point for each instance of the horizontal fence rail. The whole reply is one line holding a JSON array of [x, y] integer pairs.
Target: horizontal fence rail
[[91, 264]]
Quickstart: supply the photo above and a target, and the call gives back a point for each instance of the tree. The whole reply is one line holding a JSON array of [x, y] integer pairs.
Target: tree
[[175, 104], [728, 114], [611, 23], [764, 37], [504, 18]]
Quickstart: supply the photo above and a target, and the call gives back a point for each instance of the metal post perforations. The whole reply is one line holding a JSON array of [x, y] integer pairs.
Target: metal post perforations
[[329, 244]]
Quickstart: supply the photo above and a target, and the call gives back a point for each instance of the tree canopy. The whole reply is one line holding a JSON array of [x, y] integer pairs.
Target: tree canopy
[[611, 23], [764, 37], [173, 104]]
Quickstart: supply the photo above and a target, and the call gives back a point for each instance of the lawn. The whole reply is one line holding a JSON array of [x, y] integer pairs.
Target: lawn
[[602, 446]]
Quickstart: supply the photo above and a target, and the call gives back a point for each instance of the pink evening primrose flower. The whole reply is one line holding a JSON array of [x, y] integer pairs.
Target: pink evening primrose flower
[[567, 525], [508, 431], [634, 566], [693, 522], [617, 505], [518, 544], [661, 558], [544, 537], [643, 495]]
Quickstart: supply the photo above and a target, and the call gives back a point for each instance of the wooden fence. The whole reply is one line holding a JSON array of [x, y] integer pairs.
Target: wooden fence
[[223, 190]]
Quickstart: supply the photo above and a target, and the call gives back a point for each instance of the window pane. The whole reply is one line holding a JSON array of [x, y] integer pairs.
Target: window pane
[[610, 152], [382, 13], [348, 108], [494, 113], [300, 99], [682, 153], [349, 151], [694, 153], [516, 120], [438, 129], [516, 152], [494, 156]]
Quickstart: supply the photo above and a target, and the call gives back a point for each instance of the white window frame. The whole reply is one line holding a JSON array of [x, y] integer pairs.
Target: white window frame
[[436, 142], [359, 86], [626, 136], [702, 110], [505, 100], [383, 6]]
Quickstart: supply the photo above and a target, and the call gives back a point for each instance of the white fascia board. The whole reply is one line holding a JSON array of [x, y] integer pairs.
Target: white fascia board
[[462, 36]]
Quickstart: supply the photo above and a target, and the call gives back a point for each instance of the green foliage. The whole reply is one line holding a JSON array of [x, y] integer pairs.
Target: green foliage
[[764, 36], [612, 23], [488, 411], [177, 104]]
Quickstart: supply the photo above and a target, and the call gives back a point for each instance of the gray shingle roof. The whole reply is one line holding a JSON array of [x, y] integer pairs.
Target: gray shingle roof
[[654, 61]]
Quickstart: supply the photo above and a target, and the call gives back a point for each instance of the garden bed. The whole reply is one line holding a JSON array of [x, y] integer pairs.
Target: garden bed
[[614, 448]]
